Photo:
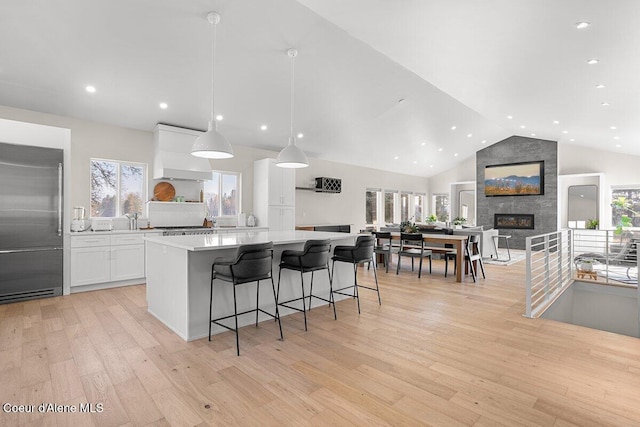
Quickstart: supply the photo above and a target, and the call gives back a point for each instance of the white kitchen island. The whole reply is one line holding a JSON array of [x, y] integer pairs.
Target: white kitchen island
[[179, 276]]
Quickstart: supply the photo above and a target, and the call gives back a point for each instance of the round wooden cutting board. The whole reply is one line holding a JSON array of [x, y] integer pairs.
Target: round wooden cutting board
[[164, 192]]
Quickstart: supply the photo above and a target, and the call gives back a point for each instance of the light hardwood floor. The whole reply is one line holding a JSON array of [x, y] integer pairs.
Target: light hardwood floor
[[435, 353]]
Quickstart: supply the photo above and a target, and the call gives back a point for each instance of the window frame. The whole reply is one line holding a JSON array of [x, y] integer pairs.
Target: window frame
[[145, 184], [220, 183]]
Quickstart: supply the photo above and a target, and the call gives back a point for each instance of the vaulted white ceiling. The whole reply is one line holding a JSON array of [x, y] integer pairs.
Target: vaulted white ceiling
[[375, 79]]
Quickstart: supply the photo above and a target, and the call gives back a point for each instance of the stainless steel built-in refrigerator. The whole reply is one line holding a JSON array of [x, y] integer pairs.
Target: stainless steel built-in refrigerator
[[30, 222]]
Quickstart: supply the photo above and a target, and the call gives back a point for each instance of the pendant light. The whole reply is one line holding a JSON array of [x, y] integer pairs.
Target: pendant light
[[291, 156], [212, 144]]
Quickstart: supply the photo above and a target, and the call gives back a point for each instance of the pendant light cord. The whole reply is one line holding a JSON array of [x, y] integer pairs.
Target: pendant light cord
[[213, 75], [293, 59]]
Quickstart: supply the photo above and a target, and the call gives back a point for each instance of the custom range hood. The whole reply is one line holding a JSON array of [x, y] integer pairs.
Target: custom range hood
[[172, 155]]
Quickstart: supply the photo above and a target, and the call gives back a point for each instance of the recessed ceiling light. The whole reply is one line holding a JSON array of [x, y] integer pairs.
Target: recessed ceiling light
[[592, 61], [430, 166], [455, 154], [565, 131], [572, 139], [300, 135], [219, 117], [522, 126], [469, 135], [263, 127], [423, 144], [533, 134], [616, 137], [453, 127], [396, 158], [484, 141], [415, 162], [600, 86], [613, 127], [164, 105], [555, 122], [582, 24], [618, 145], [509, 117], [90, 89], [440, 149], [605, 104]]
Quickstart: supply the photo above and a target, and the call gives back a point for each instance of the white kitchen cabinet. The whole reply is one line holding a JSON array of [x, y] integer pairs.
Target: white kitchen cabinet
[[274, 195], [281, 218], [90, 265], [107, 260]]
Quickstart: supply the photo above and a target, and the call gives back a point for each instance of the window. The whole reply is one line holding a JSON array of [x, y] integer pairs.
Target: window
[[389, 206], [625, 207], [441, 204], [222, 194], [371, 206], [117, 188], [405, 210], [418, 207]]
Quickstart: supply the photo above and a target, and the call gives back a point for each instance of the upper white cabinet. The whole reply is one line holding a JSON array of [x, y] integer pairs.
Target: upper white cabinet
[[274, 187]]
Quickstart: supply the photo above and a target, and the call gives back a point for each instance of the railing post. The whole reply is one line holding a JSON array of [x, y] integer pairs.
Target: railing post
[[528, 277], [546, 267], [559, 243]]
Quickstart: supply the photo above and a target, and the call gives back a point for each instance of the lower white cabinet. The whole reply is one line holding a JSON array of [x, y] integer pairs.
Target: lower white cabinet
[[103, 259]]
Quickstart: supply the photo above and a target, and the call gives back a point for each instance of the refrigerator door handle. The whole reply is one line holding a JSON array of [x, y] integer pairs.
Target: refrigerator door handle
[[59, 199], [18, 251]]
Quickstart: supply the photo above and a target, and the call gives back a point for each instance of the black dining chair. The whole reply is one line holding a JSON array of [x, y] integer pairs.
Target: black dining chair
[[251, 263], [360, 253], [314, 257], [384, 247], [412, 246]]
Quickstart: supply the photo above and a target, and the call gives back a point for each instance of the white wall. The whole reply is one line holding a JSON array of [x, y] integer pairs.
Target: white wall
[[617, 169], [347, 207], [91, 139]]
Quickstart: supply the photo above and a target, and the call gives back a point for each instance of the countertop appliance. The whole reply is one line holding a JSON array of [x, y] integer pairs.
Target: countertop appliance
[[31, 212], [79, 222]]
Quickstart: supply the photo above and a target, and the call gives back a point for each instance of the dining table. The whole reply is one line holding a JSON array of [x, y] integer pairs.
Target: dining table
[[458, 242]]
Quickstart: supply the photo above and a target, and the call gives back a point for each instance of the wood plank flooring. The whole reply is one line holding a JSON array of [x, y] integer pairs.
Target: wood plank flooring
[[436, 353]]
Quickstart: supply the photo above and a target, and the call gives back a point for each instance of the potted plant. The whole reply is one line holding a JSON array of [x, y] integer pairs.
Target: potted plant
[[586, 265], [592, 224], [458, 221], [408, 227], [431, 219]]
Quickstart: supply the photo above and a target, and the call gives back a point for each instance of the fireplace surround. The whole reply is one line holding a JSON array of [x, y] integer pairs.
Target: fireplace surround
[[513, 221]]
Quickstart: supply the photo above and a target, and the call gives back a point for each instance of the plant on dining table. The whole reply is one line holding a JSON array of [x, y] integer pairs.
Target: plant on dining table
[[459, 220], [408, 227], [431, 219]]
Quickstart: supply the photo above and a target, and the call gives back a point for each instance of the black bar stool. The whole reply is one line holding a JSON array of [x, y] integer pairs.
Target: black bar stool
[[384, 247], [361, 253], [252, 263], [314, 257]]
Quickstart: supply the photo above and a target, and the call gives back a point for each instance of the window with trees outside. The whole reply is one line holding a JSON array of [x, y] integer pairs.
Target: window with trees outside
[[117, 188], [371, 206], [418, 207], [625, 207], [389, 206], [441, 205], [222, 194]]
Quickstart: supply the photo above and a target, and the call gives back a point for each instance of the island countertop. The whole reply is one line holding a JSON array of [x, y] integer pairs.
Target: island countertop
[[233, 240]]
